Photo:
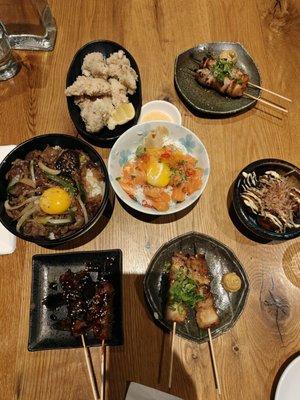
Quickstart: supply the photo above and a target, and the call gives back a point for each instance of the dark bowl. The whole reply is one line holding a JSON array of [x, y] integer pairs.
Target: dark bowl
[[40, 143], [105, 137], [207, 102], [243, 213], [220, 260]]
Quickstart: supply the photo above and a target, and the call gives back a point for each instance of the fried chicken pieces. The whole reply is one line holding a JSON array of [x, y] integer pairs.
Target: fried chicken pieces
[[102, 87]]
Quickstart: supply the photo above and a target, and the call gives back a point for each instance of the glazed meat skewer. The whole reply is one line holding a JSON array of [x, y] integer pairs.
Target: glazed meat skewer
[[222, 75], [89, 308]]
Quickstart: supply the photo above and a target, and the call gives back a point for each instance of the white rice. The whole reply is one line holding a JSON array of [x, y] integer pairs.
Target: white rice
[[167, 140]]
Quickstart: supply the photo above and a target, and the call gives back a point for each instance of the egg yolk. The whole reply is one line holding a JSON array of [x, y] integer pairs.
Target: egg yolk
[[158, 174], [55, 200]]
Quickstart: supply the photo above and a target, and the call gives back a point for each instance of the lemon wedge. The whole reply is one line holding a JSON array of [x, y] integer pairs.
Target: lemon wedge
[[123, 113]]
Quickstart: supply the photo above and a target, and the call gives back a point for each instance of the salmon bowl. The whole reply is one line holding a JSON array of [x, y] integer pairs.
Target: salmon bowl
[[158, 168]]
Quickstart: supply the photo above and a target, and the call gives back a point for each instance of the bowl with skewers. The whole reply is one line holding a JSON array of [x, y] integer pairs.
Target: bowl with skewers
[[197, 283], [158, 168], [219, 79], [266, 199]]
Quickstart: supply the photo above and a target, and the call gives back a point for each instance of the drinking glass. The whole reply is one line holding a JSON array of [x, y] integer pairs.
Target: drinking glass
[[9, 66]]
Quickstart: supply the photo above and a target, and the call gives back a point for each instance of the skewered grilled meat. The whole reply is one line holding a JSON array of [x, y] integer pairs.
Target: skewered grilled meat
[[206, 315], [189, 288], [89, 304], [176, 310], [223, 76], [198, 270]]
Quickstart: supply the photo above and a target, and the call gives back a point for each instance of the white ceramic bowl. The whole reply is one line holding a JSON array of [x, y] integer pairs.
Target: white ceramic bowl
[[126, 145], [163, 106]]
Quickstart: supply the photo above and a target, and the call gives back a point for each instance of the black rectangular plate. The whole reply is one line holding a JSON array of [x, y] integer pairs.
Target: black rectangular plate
[[47, 269]]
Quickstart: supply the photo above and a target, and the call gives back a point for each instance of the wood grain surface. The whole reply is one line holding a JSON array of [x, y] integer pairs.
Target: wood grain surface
[[267, 334]]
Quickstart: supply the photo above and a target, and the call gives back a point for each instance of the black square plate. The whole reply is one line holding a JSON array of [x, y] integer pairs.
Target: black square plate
[[46, 270]]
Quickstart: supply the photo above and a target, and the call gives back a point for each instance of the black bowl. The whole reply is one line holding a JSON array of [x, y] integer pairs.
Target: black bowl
[[40, 143], [243, 213], [105, 137]]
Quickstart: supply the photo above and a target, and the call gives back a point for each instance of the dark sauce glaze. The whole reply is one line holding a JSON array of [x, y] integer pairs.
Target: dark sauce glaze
[[88, 303]]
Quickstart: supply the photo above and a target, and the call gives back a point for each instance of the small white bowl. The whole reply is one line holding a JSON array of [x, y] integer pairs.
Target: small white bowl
[[161, 106], [125, 147]]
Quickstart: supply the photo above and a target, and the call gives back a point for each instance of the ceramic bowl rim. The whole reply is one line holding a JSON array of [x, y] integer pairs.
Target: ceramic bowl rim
[[147, 210]]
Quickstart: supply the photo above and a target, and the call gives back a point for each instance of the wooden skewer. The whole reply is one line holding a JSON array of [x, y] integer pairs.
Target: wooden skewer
[[214, 362], [269, 91], [172, 355], [90, 370], [103, 370], [266, 102]]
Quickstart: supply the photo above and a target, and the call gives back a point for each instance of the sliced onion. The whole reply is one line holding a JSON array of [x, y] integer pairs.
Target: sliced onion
[[42, 220], [25, 217], [27, 208], [57, 221], [32, 171], [9, 207], [47, 169], [28, 182], [14, 180], [85, 214]]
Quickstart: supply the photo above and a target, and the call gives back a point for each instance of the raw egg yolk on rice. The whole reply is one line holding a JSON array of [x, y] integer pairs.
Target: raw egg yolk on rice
[[55, 200], [158, 174]]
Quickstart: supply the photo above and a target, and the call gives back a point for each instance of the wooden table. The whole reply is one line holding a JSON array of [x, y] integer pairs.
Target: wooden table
[[267, 334]]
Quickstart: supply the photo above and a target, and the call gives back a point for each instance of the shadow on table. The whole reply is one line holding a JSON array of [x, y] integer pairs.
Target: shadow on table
[[279, 373], [95, 230], [158, 219], [144, 358]]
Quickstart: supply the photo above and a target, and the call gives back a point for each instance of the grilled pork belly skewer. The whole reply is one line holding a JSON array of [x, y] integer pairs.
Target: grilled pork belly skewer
[[176, 311], [189, 287], [222, 75], [206, 314]]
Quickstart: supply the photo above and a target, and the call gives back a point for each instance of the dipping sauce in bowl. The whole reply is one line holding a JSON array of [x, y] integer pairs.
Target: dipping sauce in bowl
[[160, 110], [156, 115]]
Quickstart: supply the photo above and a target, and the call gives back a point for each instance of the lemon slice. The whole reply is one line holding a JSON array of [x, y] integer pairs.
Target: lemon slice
[[123, 113]]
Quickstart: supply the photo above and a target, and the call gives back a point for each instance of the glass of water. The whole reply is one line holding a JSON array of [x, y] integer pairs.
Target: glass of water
[[9, 66]]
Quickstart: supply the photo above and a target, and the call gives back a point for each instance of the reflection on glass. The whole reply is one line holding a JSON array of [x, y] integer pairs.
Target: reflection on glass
[[8, 64], [30, 24]]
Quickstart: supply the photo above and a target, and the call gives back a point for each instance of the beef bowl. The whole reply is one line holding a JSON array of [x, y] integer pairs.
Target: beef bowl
[[53, 189]]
